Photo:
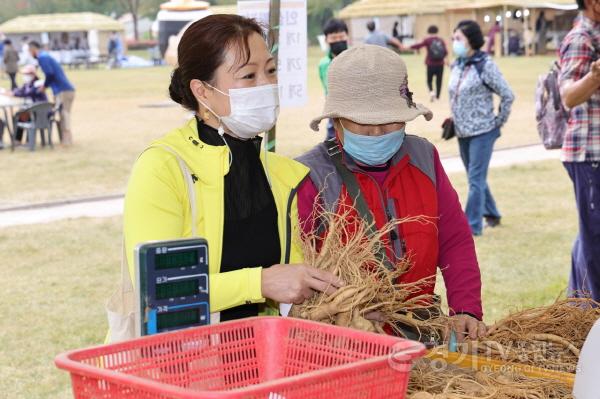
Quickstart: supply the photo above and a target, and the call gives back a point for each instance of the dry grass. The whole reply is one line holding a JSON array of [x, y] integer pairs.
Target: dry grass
[[110, 128]]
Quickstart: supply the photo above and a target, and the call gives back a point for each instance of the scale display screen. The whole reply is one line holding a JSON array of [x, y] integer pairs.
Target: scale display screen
[[172, 284], [176, 260], [177, 289], [172, 320]]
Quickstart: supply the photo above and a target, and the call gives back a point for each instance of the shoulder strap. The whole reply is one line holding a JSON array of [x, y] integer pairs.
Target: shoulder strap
[[353, 189], [189, 183], [479, 66], [350, 182], [215, 317], [323, 174]]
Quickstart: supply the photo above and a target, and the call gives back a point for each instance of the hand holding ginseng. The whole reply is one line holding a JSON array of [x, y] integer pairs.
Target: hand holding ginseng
[[297, 283], [373, 295], [467, 327]]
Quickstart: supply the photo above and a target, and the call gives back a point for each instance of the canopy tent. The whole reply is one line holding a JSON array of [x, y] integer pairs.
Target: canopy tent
[[83, 34], [226, 9], [523, 16], [72, 22], [530, 4], [381, 8], [414, 17]]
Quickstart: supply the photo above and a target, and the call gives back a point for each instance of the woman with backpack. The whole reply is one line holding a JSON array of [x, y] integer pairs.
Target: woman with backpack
[[435, 60], [474, 79]]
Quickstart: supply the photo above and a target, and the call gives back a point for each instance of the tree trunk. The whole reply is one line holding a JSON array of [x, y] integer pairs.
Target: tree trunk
[[133, 6], [136, 33]]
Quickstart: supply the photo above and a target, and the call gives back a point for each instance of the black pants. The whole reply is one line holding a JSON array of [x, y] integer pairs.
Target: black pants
[[436, 71], [13, 80]]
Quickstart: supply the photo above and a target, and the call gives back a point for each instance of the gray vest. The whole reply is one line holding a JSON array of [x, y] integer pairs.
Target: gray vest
[[325, 177]]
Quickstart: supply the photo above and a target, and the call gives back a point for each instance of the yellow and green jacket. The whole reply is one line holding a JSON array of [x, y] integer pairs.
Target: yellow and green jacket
[[157, 208]]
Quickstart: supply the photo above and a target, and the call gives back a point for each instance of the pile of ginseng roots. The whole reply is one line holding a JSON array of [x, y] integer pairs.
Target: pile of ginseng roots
[[432, 380], [549, 337], [351, 249]]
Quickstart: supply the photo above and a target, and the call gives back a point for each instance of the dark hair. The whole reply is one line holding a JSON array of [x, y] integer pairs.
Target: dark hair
[[432, 30], [472, 31], [581, 4], [371, 26], [35, 44], [7, 42], [202, 50], [334, 25]]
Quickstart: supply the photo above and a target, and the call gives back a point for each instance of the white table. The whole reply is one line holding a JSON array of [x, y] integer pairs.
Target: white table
[[7, 104]]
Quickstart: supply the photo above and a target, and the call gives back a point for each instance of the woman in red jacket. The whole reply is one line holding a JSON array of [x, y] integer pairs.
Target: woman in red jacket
[[396, 175]]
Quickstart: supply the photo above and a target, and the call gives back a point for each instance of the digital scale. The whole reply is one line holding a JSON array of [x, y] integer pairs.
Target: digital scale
[[172, 285]]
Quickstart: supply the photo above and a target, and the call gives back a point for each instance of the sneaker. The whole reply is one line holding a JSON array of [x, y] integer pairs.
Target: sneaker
[[492, 221], [432, 96]]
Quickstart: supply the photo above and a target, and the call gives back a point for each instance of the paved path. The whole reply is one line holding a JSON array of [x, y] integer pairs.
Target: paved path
[[113, 205]]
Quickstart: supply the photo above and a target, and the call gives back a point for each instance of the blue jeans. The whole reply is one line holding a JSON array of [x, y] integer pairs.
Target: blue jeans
[[585, 259], [476, 153]]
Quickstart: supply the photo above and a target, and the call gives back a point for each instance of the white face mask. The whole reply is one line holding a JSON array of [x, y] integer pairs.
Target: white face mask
[[254, 110], [27, 79]]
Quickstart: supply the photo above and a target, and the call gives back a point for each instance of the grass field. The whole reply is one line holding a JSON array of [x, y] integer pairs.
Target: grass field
[[56, 277], [112, 126]]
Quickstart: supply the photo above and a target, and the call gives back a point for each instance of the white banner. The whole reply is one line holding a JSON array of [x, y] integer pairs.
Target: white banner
[[292, 60]]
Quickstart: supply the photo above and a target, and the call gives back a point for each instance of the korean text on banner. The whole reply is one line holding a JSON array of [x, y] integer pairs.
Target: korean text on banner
[[292, 62]]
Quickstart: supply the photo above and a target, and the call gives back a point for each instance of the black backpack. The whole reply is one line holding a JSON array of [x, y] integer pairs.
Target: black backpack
[[437, 50]]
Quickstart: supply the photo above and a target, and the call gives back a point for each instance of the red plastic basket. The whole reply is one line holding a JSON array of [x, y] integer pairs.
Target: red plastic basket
[[262, 357]]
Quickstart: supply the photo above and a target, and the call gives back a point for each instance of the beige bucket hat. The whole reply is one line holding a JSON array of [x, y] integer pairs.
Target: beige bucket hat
[[369, 85]]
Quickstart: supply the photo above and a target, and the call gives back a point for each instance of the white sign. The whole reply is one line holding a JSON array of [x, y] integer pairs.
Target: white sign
[[292, 60]]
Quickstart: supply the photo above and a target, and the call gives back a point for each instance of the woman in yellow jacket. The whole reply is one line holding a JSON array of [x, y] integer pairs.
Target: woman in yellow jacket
[[246, 203]]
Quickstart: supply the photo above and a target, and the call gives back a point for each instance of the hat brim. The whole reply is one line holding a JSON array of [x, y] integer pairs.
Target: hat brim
[[394, 113]]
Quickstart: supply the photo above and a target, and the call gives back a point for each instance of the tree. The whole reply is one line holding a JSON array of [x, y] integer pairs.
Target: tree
[[133, 6]]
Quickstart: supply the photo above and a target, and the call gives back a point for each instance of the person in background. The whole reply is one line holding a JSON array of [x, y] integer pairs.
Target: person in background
[[29, 91], [55, 45], [474, 80], [2, 38], [514, 42], [580, 88], [115, 50], [11, 63], [395, 32], [63, 90], [379, 38], [25, 56], [528, 40], [541, 30], [435, 60], [396, 175], [491, 37], [336, 37]]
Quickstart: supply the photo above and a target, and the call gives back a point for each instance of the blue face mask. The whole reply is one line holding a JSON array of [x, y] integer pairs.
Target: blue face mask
[[460, 49], [373, 150]]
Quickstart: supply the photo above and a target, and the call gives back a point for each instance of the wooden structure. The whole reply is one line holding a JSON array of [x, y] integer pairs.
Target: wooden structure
[[64, 29], [413, 17]]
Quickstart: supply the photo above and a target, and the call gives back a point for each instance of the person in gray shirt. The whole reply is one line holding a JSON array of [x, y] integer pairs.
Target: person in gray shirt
[[379, 38]]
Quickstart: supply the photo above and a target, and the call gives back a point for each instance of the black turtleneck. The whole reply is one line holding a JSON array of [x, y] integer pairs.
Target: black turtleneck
[[251, 233]]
